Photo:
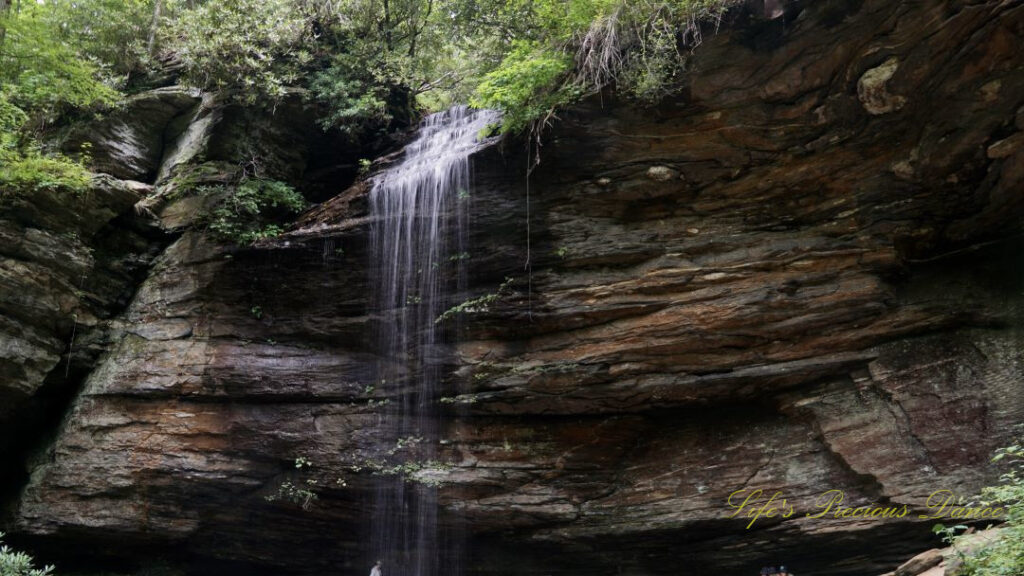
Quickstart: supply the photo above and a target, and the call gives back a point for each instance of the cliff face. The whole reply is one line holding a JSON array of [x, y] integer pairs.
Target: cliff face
[[801, 275], [68, 265]]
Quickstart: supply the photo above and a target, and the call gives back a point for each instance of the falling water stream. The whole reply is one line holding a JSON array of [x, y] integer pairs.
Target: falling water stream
[[417, 241]]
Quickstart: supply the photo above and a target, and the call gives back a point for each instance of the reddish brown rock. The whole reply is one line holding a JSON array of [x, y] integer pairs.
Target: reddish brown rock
[[759, 285], [68, 264]]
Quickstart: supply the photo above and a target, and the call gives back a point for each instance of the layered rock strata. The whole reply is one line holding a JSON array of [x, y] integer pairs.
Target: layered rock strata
[[801, 275]]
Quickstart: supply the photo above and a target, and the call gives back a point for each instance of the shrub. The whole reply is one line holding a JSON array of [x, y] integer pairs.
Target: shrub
[[526, 85], [19, 563], [579, 46], [1005, 556], [31, 170], [253, 209], [24, 167], [252, 49], [356, 100]]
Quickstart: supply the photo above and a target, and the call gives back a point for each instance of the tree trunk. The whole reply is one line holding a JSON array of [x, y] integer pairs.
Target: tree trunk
[[5, 8], [151, 43], [387, 26]]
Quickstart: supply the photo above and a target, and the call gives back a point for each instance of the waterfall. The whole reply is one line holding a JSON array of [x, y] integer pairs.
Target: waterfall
[[417, 243]]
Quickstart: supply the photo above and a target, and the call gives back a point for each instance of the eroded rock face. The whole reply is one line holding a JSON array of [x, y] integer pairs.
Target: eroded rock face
[[873, 92], [72, 262], [131, 143], [68, 264], [759, 285]]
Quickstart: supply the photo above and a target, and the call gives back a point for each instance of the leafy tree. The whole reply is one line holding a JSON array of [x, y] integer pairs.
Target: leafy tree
[[251, 49], [386, 54], [42, 77], [368, 64], [111, 34], [525, 85], [356, 101], [43, 71], [5, 9]]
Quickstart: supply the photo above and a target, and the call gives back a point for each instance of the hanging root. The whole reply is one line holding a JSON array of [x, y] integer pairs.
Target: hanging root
[[637, 44], [599, 57]]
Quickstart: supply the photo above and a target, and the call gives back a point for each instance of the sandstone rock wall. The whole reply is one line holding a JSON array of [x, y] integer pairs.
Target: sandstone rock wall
[[802, 274]]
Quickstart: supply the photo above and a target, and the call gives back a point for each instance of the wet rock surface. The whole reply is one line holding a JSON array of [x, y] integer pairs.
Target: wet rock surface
[[762, 284]]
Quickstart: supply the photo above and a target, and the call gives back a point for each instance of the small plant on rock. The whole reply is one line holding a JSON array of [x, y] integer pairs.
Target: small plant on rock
[[1005, 555], [14, 563], [297, 492], [476, 305], [253, 209]]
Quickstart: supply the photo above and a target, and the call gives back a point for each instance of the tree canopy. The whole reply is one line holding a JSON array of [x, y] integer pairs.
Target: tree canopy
[[367, 63]]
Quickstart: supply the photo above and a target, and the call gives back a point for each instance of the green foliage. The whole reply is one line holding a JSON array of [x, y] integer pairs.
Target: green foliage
[[14, 563], [25, 168], [44, 73], [252, 209], [11, 119], [30, 169], [366, 62], [1004, 557], [299, 494], [302, 493], [566, 48], [387, 56], [110, 34], [369, 65], [356, 97], [476, 305], [251, 49], [526, 85]]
